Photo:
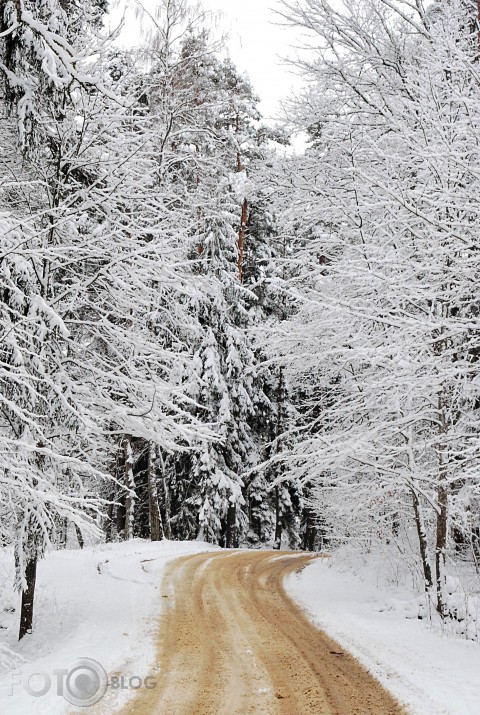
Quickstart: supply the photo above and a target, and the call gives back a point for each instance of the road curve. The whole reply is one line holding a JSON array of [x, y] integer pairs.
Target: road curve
[[232, 642]]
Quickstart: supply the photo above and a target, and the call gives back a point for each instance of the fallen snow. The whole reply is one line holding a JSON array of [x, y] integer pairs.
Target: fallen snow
[[102, 602], [431, 673]]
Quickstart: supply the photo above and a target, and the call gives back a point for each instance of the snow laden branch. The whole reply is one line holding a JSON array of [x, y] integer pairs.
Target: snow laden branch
[[383, 221]]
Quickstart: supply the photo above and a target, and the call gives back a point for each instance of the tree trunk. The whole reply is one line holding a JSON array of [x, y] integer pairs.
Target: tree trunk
[[231, 540], [310, 534], [441, 548], [278, 520], [167, 528], [80, 539], [241, 239], [166, 501], [475, 544], [422, 541], [278, 448], [244, 218], [120, 520], [156, 528], [28, 595], [115, 525], [130, 484], [62, 533], [109, 524], [442, 514]]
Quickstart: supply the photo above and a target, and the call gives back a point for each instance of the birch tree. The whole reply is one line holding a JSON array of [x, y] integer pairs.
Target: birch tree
[[387, 330]]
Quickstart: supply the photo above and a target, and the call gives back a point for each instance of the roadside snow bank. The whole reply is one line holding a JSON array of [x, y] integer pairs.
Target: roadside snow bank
[[433, 674], [102, 603]]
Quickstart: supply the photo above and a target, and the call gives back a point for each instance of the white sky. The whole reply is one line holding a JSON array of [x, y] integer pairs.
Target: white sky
[[255, 44]]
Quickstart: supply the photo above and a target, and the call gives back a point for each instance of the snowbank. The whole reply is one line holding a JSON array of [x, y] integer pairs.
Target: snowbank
[[433, 674]]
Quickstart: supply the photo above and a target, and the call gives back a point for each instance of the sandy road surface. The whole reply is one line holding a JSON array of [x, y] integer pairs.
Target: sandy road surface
[[232, 642]]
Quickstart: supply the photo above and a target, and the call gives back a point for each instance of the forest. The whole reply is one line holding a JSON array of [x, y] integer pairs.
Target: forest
[[208, 333]]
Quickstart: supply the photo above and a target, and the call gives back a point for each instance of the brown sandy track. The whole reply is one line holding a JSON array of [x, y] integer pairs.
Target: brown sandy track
[[232, 642]]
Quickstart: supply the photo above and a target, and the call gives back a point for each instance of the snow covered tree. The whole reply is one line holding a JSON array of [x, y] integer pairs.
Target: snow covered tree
[[92, 279], [44, 431], [43, 42], [388, 246], [46, 427], [207, 137]]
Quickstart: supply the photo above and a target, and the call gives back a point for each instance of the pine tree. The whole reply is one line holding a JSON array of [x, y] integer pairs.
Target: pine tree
[[207, 116]]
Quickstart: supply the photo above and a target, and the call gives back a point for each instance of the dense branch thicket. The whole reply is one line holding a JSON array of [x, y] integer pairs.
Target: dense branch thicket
[[134, 401], [206, 337], [383, 224]]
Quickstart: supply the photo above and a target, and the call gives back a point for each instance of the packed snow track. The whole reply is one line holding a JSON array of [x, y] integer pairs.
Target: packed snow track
[[231, 642]]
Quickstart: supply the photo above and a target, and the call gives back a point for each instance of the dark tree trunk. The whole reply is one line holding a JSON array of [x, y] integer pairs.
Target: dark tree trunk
[[116, 507], [155, 519], [278, 448], [28, 595], [242, 232], [440, 548], [231, 539], [130, 485], [110, 524], [442, 503], [62, 533], [120, 520], [80, 539], [310, 533], [278, 520], [166, 503], [167, 529], [241, 239]]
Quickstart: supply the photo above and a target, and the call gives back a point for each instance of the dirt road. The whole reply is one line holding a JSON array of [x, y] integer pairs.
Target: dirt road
[[231, 642]]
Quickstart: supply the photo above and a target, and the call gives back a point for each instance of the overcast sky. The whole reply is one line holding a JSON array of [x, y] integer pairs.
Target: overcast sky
[[255, 44]]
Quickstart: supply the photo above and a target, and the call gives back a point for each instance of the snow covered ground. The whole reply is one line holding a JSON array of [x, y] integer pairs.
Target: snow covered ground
[[103, 603], [433, 674], [100, 603]]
